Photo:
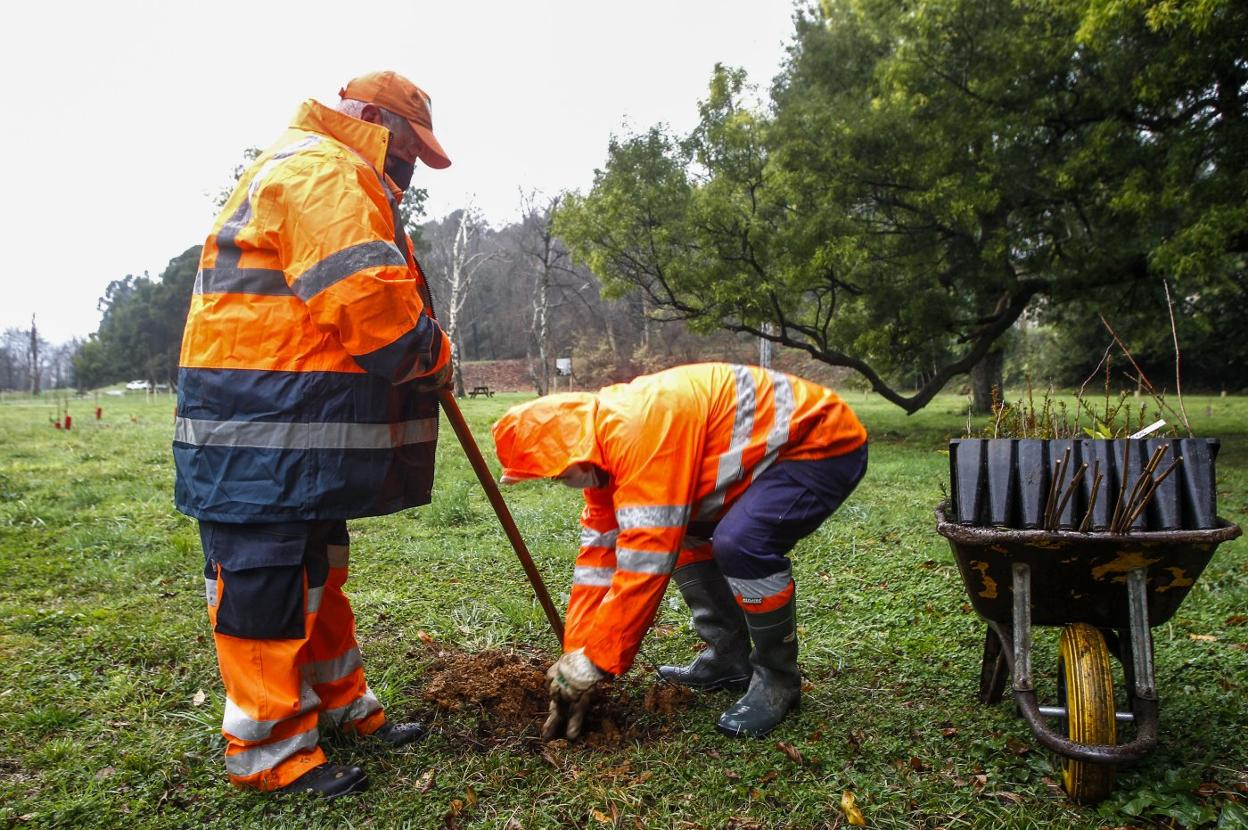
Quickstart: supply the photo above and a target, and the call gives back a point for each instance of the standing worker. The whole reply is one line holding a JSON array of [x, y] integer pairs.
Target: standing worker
[[307, 395], [698, 473]]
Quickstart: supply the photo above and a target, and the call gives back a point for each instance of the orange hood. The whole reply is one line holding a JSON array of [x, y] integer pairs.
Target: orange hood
[[542, 438]]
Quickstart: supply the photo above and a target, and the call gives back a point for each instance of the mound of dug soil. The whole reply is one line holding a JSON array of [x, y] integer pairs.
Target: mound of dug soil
[[504, 692]]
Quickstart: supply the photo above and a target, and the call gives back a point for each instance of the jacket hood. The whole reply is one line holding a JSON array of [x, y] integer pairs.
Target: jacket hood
[[542, 438]]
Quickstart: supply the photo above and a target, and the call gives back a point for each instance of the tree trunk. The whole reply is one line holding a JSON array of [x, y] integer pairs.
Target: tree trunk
[[987, 375], [34, 357]]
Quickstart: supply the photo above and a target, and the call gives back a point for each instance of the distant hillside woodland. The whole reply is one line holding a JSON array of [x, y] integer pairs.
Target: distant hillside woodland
[[933, 195]]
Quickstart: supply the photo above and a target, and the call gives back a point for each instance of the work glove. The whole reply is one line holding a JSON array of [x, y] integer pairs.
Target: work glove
[[438, 380], [572, 679]]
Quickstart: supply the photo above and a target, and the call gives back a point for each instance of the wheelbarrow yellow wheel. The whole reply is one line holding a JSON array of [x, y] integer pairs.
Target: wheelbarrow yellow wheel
[[1089, 684]]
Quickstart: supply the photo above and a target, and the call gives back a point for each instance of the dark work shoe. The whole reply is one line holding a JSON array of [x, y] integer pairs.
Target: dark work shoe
[[328, 781], [401, 734]]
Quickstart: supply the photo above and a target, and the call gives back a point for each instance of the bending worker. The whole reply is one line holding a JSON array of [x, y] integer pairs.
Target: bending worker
[[708, 474], [307, 395]]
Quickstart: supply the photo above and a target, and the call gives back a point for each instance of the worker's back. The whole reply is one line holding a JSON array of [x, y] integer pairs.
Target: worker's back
[[721, 423]]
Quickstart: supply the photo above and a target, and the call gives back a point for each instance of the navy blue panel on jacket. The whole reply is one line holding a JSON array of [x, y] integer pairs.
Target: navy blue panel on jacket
[[264, 446]]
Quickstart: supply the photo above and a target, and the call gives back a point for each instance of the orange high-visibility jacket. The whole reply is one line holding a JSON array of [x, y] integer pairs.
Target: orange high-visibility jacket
[[305, 333], [680, 446]]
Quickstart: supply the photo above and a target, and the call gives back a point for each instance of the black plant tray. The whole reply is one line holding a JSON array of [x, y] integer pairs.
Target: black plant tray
[[1005, 482]]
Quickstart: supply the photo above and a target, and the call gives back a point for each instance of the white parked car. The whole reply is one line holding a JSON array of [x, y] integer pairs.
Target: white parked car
[[138, 385]]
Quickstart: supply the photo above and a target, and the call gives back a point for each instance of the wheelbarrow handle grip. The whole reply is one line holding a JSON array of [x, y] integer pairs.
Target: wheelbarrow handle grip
[[451, 407]]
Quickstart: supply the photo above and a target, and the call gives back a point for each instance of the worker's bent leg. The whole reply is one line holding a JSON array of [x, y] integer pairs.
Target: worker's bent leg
[[751, 543], [261, 604], [724, 663], [786, 503], [332, 663]]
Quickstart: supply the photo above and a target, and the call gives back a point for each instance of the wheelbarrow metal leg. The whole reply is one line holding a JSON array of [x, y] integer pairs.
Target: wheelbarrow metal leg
[[1141, 635], [1022, 627]]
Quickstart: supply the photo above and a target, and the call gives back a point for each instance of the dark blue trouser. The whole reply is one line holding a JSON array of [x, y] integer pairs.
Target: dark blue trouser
[[787, 502]]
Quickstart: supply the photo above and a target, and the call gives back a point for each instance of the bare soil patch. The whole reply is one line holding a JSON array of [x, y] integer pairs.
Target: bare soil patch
[[500, 697]]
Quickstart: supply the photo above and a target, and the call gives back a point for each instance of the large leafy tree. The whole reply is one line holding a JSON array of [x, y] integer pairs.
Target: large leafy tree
[[140, 332], [929, 170]]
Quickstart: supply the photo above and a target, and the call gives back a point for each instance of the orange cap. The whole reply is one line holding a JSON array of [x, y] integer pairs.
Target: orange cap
[[402, 97]]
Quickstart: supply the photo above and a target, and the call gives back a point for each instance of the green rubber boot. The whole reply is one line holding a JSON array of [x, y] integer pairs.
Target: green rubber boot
[[776, 687], [725, 663]]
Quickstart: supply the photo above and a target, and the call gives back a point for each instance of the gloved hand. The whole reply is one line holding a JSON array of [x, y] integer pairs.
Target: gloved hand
[[572, 679], [438, 380]]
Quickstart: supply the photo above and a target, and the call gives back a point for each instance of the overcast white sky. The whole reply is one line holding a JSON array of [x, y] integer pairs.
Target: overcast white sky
[[121, 115]]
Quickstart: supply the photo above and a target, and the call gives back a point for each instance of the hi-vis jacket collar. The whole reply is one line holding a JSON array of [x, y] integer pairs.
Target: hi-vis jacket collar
[[368, 140]]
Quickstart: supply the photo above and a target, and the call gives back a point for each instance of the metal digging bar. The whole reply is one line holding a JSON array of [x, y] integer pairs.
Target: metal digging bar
[[451, 407]]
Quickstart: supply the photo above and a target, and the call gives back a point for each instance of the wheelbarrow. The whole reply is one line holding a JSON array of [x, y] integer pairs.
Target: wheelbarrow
[[1106, 592]]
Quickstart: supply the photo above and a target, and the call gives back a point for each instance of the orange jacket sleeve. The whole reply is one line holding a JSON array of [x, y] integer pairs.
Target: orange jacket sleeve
[[653, 465]]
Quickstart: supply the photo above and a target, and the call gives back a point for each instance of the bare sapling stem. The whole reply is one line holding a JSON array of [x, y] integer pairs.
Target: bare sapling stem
[[1178, 359], [1075, 482], [1096, 488]]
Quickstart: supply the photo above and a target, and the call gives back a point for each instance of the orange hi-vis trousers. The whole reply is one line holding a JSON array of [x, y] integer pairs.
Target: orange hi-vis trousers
[[285, 637]]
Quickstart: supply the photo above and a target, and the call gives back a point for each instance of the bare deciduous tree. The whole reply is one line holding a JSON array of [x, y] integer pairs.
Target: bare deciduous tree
[[457, 253]]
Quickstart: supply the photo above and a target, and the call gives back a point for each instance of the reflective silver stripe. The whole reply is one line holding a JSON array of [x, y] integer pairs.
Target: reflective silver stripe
[[586, 575], [591, 538], [339, 556], [778, 437], [261, 758], [730, 470], [210, 591], [358, 709], [767, 586], [314, 599], [270, 282], [285, 435], [344, 263], [237, 724], [278, 157], [327, 671], [655, 515], [644, 561]]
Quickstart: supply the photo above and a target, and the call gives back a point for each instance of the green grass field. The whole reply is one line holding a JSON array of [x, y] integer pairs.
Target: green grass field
[[110, 699]]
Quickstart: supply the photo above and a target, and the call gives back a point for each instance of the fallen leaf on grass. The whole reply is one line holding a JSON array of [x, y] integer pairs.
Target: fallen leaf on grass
[[471, 797], [426, 781], [788, 749], [513, 824], [849, 807], [770, 776], [732, 776], [599, 815], [1203, 638], [1237, 619], [1017, 746], [949, 731], [916, 763], [1008, 798], [979, 781], [425, 637], [198, 698], [106, 772], [742, 823], [1207, 789]]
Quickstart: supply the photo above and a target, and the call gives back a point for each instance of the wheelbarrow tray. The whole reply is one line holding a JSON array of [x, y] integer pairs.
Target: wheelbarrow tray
[[1079, 577]]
